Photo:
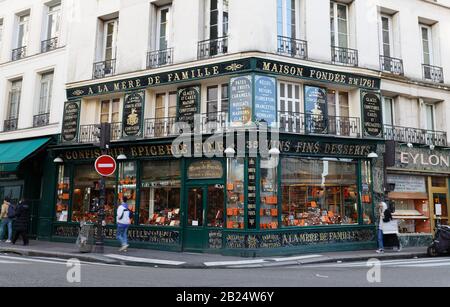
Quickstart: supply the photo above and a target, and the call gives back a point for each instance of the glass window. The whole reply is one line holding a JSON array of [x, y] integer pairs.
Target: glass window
[[53, 23], [45, 93], [339, 25], [289, 106], [62, 192], [235, 193], [110, 36], [386, 35], [366, 193], [319, 192], [287, 18], [215, 206], [164, 30], [110, 111], [269, 194], [22, 35], [388, 111], [14, 99], [195, 207], [160, 193], [1, 32], [218, 18], [127, 183], [439, 182], [426, 44], [430, 116], [86, 195]]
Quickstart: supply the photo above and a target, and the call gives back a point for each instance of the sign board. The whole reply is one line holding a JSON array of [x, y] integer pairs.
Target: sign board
[[372, 114], [266, 100], [438, 209], [105, 165], [408, 184], [251, 195], [316, 111], [188, 104], [71, 119], [133, 108], [208, 169], [241, 101]]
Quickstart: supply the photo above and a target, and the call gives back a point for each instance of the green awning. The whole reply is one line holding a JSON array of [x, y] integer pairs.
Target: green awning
[[13, 153]]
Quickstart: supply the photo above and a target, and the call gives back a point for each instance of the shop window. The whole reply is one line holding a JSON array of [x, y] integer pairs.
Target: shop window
[[269, 194], [319, 192], [366, 193], [127, 183], [235, 193], [215, 206], [439, 182], [160, 193], [86, 195], [62, 199]]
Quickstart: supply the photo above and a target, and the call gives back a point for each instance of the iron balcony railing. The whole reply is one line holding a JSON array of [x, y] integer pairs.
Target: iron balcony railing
[[90, 133], [345, 56], [300, 123], [19, 53], [49, 44], [104, 69], [415, 135], [391, 65], [10, 124], [41, 120], [159, 58], [212, 47], [292, 47], [160, 127], [433, 73]]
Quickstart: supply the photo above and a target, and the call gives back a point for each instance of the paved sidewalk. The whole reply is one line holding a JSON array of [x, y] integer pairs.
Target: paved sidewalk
[[154, 258]]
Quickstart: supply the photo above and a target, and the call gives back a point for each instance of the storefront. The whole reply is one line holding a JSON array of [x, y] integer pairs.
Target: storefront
[[421, 192]]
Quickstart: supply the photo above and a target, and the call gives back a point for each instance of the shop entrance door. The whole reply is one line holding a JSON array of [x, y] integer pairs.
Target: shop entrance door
[[205, 211]]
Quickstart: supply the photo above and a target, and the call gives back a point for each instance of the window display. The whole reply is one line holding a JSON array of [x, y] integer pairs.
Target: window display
[[235, 194], [215, 206], [86, 195], [160, 193], [127, 183], [366, 193], [269, 194], [63, 195], [319, 192]]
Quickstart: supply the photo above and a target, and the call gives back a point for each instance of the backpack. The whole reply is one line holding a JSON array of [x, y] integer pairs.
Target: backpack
[[11, 211], [387, 216]]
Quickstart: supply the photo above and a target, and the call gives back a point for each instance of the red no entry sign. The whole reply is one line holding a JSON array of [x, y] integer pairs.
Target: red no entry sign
[[105, 165]]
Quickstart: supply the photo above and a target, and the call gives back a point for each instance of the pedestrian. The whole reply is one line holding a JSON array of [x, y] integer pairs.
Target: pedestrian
[[6, 216], [382, 207], [124, 215], [390, 227], [21, 222]]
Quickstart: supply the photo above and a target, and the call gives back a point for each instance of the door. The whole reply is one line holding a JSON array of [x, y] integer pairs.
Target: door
[[205, 211]]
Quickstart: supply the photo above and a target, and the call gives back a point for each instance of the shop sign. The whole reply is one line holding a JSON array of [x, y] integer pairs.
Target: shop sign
[[251, 194], [207, 169], [372, 114], [266, 100], [241, 100], [133, 112], [406, 183], [316, 111], [188, 104], [422, 159], [71, 119]]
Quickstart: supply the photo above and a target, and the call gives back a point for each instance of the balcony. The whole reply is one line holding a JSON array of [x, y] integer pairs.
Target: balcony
[[292, 47], [104, 69], [49, 45], [213, 47], [41, 120], [301, 123], [433, 73], [10, 124], [19, 53], [159, 58], [415, 135], [344, 56], [89, 133], [391, 65]]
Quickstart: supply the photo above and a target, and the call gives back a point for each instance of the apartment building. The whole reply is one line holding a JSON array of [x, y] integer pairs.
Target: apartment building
[[358, 90]]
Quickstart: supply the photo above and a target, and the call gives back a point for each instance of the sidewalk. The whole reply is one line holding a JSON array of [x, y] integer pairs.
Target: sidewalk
[[154, 258]]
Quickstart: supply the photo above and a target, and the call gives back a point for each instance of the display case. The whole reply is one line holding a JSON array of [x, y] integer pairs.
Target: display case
[[268, 194], [62, 195], [235, 205]]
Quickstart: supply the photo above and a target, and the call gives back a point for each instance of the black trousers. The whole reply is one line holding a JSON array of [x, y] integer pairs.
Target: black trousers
[[22, 233]]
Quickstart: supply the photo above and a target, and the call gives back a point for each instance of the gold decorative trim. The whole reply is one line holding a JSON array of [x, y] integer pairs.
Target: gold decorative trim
[[234, 67]]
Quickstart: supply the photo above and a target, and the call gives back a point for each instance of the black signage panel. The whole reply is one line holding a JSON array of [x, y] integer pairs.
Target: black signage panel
[[133, 112], [316, 111], [251, 195], [71, 119], [372, 114], [188, 104]]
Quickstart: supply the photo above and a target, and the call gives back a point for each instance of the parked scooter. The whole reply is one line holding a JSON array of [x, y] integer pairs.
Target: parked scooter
[[441, 242]]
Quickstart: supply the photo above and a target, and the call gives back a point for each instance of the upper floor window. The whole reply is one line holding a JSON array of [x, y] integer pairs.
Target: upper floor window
[[14, 99], [427, 46], [53, 21], [217, 18], [23, 29], [430, 116], [386, 36], [287, 18], [163, 28], [110, 39], [388, 111], [1, 32], [340, 36], [110, 111], [45, 96]]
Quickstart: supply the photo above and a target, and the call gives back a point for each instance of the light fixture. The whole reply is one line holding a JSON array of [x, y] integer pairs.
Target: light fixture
[[274, 151], [432, 147], [410, 145], [229, 152], [58, 160], [372, 155], [121, 157]]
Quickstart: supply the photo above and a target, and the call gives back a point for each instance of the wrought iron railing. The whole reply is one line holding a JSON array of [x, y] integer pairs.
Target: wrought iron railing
[[391, 65], [212, 47], [10, 124], [293, 47], [90, 133], [41, 120], [159, 58], [160, 127], [433, 73], [104, 69], [49, 44], [19, 53], [345, 56], [300, 123], [415, 135]]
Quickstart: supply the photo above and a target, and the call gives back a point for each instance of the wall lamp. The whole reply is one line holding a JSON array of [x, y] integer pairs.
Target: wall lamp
[[58, 160], [372, 155], [122, 157], [230, 152]]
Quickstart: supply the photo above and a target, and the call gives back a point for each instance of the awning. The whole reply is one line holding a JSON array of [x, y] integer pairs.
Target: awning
[[13, 153]]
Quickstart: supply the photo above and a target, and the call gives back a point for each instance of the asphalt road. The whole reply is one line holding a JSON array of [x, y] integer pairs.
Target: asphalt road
[[45, 272]]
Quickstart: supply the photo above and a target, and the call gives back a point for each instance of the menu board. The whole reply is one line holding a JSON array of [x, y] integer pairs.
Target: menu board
[[241, 101], [316, 110], [71, 118], [188, 104], [372, 114], [133, 107], [265, 100], [251, 195]]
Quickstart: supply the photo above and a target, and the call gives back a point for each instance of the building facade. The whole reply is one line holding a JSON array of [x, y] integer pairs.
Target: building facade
[[331, 80]]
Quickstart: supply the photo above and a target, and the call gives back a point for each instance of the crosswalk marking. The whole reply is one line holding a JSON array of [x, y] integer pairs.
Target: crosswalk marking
[[409, 263]]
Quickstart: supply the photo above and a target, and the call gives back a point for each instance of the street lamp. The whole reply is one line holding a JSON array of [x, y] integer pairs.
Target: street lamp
[[58, 160]]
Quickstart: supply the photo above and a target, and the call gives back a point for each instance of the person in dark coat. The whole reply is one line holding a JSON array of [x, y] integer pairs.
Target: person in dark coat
[[22, 219]]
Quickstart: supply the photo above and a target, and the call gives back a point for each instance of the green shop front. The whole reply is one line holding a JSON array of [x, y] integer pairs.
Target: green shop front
[[230, 186]]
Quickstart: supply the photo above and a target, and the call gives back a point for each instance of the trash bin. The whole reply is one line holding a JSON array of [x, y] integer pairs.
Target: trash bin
[[85, 240]]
